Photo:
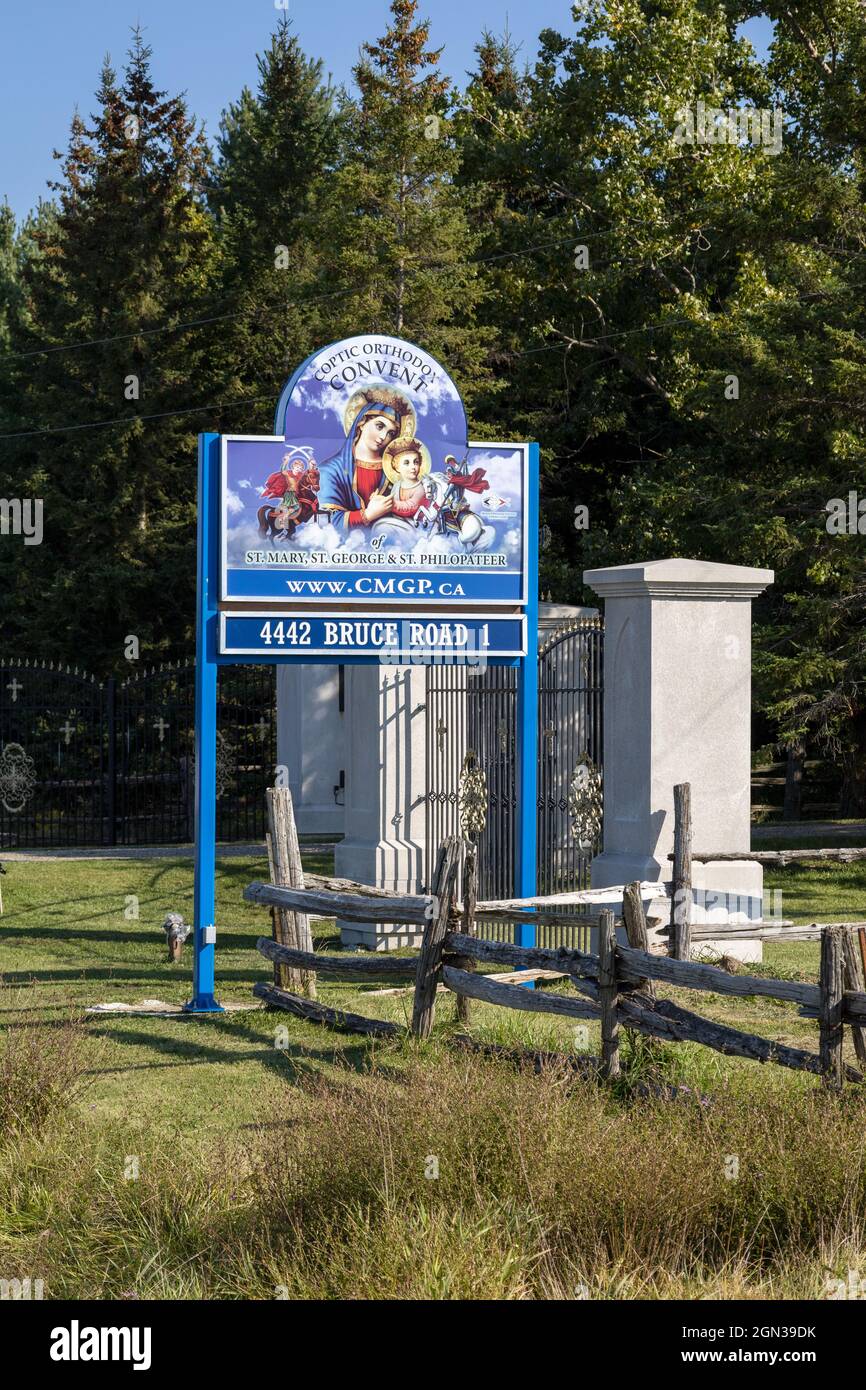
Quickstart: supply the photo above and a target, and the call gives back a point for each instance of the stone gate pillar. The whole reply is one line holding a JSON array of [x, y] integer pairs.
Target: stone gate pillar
[[385, 810], [677, 708], [311, 745]]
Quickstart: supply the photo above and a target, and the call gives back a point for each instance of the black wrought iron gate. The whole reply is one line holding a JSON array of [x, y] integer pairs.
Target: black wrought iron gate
[[83, 763], [476, 709]]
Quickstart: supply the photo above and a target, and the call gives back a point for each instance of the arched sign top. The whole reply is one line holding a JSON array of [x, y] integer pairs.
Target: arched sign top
[[321, 404], [371, 491]]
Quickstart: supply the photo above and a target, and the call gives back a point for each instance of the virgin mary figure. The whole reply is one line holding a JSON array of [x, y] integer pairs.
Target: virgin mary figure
[[353, 482]]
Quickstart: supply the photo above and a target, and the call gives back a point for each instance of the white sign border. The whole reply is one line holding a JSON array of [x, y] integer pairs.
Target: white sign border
[[338, 653], [226, 597]]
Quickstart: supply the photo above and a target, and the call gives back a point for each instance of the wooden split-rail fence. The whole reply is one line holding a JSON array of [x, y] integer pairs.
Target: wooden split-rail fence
[[615, 987]]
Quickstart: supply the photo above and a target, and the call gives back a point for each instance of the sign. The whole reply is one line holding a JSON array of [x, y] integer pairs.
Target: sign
[[371, 492], [430, 638], [365, 529]]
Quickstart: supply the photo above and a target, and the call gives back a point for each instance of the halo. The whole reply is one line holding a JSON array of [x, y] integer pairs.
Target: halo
[[302, 452], [383, 395], [390, 471]]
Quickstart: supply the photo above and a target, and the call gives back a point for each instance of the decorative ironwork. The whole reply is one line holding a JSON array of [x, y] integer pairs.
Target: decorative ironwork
[[478, 706], [480, 710], [224, 768], [570, 690], [113, 763], [472, 797], [17, 778], [585, 802]]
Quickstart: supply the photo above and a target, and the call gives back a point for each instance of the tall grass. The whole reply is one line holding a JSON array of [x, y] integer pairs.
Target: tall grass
[[43, 1071], [456, 1177]]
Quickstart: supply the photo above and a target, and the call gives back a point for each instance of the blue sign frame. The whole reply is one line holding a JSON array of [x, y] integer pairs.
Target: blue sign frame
[[209, 657], [305, 576]]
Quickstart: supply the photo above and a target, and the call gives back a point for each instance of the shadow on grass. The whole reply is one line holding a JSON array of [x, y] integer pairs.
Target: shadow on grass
[[144, 935], [347, 1049], [289, 1062], [11, 913], [118, 974]]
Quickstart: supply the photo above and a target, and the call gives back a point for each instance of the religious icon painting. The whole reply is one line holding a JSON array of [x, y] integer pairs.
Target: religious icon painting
[[369, 489]]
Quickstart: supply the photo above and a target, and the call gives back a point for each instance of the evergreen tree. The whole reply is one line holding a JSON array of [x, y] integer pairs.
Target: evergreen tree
[[697, 376], [10, 287], [274, 149], [395, 241], [112, 282]]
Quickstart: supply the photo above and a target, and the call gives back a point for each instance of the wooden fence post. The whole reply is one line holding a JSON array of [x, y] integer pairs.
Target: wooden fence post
[[634, 920], [430, 960], [830, 1007], [607, 995], [855, 980], [470, 898], [284, 854], [681, 888]]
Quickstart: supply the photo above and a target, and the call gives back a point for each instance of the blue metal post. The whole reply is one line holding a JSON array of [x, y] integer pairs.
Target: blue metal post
[[527, 718], [204, 936]]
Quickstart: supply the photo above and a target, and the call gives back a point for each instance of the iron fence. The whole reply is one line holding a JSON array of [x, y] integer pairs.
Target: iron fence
[[86, 763], [477, 709]]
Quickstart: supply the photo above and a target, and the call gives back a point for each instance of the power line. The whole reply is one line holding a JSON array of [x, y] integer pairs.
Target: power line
[[134, 419], [254, 309], [596, 341], [421, 269]]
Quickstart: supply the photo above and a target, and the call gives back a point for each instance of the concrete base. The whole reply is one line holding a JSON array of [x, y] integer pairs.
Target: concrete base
[[711, 952], [728, 891], [378, 936], [395, 864], [611, 869], [390, 863]]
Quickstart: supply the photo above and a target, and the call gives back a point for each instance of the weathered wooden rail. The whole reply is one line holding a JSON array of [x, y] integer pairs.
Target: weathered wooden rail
[[615, 987], [778, 858]]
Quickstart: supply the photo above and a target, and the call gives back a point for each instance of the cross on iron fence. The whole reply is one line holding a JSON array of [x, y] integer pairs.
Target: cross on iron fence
[[86, 763]]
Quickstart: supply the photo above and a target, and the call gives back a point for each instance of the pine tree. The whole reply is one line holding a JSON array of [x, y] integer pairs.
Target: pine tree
[[395, 239], [275, 147], [113, 280], [10, 288]]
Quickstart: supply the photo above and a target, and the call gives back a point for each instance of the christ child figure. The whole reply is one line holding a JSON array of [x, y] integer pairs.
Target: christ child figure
[[406, 462]]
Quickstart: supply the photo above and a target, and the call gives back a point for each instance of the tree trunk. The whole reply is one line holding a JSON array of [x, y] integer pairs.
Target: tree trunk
[[794, 782], [852, 797]]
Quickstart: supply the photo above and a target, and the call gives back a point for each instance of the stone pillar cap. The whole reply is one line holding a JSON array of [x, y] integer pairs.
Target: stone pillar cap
[[679, 579]]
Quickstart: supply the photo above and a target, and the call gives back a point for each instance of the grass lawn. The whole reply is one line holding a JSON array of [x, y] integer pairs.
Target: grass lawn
[[218, 1096], [66, 944]]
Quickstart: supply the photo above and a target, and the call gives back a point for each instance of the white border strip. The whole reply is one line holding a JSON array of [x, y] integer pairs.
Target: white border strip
[[336, 652], [225, 596]]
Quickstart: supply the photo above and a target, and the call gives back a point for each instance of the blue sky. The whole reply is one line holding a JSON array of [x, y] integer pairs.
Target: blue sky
[[53, 50]]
